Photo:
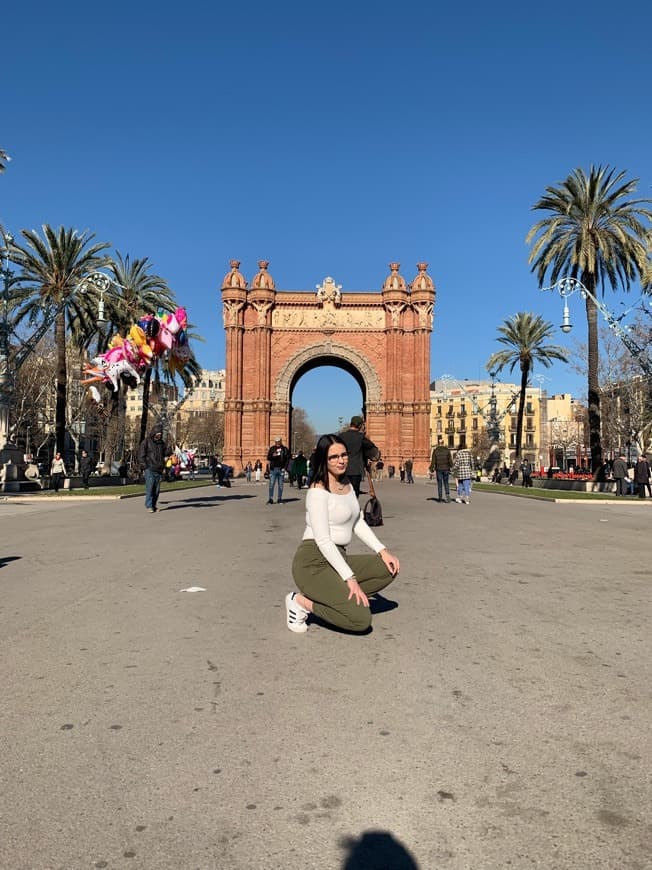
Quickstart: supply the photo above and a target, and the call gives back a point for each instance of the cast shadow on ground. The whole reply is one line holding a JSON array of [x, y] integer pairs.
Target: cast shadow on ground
[[6, 559], [376, 850], [202, 502], [377, 604]]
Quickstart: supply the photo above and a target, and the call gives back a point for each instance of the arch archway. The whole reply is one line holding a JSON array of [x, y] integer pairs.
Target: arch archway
[[381, 339]]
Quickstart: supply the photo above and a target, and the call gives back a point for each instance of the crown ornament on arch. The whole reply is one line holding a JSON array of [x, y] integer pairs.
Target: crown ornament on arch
[[329, 291]]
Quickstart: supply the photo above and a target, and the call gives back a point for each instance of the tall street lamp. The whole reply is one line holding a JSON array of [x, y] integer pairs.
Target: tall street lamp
[[567, 286]]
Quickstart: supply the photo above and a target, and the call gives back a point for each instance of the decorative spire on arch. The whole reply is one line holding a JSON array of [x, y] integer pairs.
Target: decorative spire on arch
[[263, 280], [394, 281], [423, 281], [234, 279]]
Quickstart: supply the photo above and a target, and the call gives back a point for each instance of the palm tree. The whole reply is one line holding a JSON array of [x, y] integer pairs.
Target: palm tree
[[593, 232], [525, 335], [140, 292], [52, 272]]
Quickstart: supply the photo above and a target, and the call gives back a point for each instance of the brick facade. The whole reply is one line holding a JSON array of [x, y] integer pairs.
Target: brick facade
[[382, 339]]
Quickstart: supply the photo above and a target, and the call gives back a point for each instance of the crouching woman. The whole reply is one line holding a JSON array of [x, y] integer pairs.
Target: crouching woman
[[334, 586]]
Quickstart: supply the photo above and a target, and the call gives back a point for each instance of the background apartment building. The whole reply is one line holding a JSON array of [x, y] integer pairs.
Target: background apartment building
[[462, 415]]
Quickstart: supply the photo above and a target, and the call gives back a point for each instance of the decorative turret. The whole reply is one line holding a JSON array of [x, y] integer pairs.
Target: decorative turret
[[422, 297], [234, 295], [262, 294], [395, 295], [263, 280], [234, 279], [423, 281], [394, 281]]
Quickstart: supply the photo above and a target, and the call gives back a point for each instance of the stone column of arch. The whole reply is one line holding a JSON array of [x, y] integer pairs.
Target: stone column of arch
[[422, 298], [234, 300]]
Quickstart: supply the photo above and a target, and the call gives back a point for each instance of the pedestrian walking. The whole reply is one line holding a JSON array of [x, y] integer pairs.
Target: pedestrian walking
[[152, 455], [441, 462], [258, 470], [278, 457], [57, 472], [408, 471], [619, 473], [335, 586], [300, 469], [526, 471], [361, 452], [85, 468], [641, 474], [122, 473], [463, 471], [401, 472]]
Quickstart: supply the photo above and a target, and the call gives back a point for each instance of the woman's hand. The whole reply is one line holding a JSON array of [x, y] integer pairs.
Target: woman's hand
[[392, 563], [355, 589]]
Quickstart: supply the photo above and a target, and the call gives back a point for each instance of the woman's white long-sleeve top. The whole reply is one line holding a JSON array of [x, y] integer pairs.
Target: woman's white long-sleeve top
[[331, 520]]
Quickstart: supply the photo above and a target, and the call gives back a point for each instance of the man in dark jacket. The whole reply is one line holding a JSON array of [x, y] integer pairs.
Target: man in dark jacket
[[278, 457], [85, 468], [361, 451], [619, 472], [152, 454], [441, 461]]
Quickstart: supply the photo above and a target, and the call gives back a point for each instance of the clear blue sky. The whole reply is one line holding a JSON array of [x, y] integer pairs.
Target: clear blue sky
[[329, 139]]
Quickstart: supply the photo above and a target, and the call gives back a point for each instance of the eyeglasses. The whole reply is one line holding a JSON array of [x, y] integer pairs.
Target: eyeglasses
[[338, 456]]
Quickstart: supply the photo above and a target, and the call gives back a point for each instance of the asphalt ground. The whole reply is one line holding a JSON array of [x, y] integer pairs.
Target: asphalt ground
[[497, 716]]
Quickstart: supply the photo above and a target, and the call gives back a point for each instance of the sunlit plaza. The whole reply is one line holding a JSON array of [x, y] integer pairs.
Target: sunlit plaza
[[496, 716]]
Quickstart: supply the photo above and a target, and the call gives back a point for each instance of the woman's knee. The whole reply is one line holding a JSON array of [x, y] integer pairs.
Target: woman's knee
[[360, 619]]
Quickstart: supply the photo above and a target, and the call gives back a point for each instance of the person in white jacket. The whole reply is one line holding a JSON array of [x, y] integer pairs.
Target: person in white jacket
[[57, 472], [334, 586]]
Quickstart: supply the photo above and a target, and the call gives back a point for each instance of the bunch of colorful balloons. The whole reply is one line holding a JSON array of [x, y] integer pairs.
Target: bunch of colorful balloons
[[151, 338]]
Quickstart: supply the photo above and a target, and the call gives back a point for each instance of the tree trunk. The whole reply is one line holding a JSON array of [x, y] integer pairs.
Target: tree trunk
[[62, 377], [593, 382], [146, 388], [525, 371]]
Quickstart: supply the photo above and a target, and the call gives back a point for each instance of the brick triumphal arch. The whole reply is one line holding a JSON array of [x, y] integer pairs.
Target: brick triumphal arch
[[274, 337]]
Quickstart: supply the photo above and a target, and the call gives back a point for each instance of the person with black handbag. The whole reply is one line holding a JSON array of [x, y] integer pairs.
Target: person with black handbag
[[335, 586]]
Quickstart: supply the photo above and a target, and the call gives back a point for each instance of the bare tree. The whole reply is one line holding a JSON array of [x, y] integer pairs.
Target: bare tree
[[304, 436]]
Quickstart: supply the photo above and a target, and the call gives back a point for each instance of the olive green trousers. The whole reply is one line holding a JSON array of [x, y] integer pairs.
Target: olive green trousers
[[319, 581]]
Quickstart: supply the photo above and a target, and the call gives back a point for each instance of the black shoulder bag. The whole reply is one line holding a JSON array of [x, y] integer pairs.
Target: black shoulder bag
[[372, 512]]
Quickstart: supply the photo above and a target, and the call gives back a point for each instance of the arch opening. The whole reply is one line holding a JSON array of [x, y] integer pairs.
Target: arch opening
[[329, 393]]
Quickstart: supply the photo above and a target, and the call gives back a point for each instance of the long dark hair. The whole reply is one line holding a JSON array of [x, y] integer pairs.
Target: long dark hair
[[320, 459]]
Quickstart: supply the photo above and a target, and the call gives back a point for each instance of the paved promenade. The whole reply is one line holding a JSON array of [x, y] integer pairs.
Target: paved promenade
[[498, 717]]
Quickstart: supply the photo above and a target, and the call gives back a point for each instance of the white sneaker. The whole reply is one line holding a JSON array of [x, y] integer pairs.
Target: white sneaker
[[297, 616], [458, 501]]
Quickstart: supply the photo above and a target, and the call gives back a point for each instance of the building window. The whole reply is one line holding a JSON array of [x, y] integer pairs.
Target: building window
[[529, 440], [475, 422], [439, 425], [451, 441], [438, 410], [529, 423], [462, 440]]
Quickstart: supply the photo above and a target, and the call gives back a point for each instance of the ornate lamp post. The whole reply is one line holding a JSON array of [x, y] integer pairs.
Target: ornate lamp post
[[567, 286]]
